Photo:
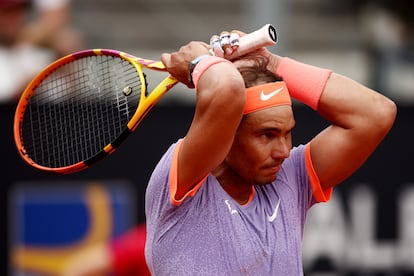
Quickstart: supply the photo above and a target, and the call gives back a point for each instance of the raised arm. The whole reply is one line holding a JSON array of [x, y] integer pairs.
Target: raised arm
[[219, 108], [360, 117]]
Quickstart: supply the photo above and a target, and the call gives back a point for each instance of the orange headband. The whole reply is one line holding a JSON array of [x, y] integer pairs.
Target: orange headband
[[266, 95]]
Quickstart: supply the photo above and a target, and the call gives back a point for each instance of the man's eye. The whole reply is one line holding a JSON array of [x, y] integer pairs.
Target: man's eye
[[268, 135]]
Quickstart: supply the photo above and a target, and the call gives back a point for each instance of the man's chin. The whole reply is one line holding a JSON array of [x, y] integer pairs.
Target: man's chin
[[266, 180]]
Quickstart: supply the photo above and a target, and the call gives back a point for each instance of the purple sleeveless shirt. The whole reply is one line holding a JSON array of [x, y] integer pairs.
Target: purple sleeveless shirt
[[211, 234]]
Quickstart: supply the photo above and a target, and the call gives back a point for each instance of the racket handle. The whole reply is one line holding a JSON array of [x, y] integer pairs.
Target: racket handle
[[265, 36]]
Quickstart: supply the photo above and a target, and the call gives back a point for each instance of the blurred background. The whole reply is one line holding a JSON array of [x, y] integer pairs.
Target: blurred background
[[366, 229]]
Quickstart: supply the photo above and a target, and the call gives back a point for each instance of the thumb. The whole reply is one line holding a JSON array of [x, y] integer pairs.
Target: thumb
[[166, 59]]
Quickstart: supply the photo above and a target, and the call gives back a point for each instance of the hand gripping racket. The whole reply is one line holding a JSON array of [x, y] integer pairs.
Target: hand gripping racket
[[81, 107]]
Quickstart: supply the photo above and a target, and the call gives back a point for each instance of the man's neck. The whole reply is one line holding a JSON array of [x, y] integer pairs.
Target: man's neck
[[233, 184]]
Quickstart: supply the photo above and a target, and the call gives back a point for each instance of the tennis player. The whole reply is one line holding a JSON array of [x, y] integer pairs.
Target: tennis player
[[231, 197]]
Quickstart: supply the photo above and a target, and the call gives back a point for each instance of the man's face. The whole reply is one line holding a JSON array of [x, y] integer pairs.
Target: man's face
[[263, 140]]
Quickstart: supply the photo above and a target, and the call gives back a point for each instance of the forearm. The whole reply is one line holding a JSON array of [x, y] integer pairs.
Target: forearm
[[219, 109], [352, 106], [360, 119], [340, 100]]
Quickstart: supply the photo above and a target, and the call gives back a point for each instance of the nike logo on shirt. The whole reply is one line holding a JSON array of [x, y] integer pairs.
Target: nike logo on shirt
[[274, 215], [232, 211], [265, 97]]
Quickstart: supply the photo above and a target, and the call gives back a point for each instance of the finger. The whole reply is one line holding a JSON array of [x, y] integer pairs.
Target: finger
[[166, 59], [240, 33], [234, 41], [215, 46], [225, 42]]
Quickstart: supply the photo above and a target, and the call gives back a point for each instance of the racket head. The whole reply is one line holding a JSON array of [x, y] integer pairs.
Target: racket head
[[80, 108]]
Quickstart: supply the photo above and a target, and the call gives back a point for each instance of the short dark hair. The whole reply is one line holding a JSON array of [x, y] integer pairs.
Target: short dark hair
[[257, 73]]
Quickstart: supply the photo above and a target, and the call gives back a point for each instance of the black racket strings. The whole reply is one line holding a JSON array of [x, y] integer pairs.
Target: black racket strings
[[80, 108]]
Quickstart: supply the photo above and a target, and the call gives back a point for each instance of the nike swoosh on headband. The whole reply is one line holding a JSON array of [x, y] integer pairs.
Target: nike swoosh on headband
[[265, 97]]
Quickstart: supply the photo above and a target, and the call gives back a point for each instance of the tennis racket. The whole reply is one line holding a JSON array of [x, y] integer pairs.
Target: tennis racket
[[81, 107]]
